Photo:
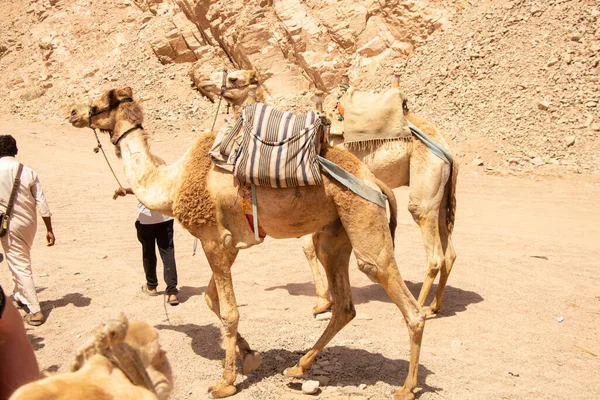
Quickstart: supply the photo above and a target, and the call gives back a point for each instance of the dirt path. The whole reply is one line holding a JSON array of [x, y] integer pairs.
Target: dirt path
[[528, 254]]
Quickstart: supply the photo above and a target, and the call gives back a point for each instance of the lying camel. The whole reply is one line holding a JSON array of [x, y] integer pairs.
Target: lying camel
[[122, 361], [431, 181], [205, 200]]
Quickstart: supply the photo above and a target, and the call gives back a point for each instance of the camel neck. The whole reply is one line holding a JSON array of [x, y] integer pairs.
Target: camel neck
[[154, 185]]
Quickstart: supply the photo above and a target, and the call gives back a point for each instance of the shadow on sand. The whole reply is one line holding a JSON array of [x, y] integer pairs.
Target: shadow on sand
[[356, 366], [455, 300], [77, 299]]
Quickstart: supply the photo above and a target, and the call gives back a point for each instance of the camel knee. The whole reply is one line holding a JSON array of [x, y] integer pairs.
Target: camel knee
[[415, 210], [368, 269], [230, 320], [435, 264]]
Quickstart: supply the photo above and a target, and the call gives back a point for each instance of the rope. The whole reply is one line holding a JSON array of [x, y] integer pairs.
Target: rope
[[106, 158]]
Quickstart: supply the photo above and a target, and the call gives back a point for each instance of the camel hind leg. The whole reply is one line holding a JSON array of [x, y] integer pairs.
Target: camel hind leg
[[449, 258], [427, 199], [372, 242], [333, 249], [321, 289]]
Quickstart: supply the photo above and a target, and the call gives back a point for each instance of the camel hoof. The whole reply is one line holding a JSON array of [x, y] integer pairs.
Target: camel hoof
[[252, 361], [294, 372], [322, 306], [221, 390], [430, 312], [402, 394]]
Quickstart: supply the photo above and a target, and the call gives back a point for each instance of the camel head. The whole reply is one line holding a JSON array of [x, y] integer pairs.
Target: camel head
[[112, 112], [236, 85]]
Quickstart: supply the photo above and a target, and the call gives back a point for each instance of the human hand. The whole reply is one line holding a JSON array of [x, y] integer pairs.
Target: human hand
[[50, 239], [119, 192]]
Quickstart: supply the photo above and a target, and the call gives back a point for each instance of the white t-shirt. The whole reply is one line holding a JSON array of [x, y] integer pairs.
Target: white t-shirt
[[149, 217]]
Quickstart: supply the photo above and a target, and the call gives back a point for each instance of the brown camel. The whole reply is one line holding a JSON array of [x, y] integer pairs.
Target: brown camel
[[432, 185], [123, 360], [204, 199]]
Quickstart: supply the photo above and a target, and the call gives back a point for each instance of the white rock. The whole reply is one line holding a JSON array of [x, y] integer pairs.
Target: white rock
[[310, 387], [323, 316], [570, 140]]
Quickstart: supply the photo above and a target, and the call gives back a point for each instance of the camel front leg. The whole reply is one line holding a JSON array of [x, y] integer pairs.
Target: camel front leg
[[251, 359], [220, 260], [323, 295], [333, 249]]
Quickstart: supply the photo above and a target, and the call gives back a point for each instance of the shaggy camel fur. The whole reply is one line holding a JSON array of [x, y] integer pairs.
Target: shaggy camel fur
[[121, 361], [205, 200], [432, 199]]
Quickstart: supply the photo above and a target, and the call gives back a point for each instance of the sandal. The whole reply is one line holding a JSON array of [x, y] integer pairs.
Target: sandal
[[173, 300], [148, 291], [30, 320]]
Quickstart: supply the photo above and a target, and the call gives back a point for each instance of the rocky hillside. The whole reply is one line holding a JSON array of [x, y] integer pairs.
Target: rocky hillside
[[514, 84]]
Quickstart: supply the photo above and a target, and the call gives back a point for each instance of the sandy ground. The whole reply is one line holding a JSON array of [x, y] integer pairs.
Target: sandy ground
[[528, 254]]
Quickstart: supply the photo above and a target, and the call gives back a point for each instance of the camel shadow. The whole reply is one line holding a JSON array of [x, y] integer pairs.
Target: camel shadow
[[455, 300], [352, 366], [77, 299], [185, 292], [206, 339]]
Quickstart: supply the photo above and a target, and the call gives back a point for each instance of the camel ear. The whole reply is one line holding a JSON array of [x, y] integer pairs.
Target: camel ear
[[124, 93]]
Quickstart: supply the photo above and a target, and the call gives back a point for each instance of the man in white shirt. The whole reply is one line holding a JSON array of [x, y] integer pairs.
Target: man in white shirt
[[155, 229], [17, 243]]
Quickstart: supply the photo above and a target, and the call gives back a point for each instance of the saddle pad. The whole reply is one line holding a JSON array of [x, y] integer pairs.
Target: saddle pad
[[374, 116], [278, 149]]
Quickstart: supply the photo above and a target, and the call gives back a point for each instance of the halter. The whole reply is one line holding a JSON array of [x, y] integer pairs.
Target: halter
[[99, 147]]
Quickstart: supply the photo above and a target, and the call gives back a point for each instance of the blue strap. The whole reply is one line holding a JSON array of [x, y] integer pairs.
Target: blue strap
[[353, 183], [255, 213], [434, 147]]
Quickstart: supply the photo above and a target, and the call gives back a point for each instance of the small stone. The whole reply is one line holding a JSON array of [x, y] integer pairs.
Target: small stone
[[537, 161], [326, 316], [43, 275], [570, 140], [363, 317], [552, 62], [591, 104], [513, 160], [104, 257], [544, 105], [279, 358], [310, 387], [362, 386], [477, 162]]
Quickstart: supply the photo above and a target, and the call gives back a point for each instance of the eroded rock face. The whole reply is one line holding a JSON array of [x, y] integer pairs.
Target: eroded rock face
[[294, 45]]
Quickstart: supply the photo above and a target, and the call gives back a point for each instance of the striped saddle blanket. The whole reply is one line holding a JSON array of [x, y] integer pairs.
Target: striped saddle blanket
[[271, 148]]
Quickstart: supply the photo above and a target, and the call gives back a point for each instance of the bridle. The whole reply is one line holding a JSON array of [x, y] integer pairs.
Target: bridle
[[94, 113]]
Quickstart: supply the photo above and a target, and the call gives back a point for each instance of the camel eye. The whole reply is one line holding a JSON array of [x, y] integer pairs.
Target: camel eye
[[233, 79], [73, 112]]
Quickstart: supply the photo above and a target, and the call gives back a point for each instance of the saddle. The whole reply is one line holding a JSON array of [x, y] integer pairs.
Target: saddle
[[371, 117], [271, 148]]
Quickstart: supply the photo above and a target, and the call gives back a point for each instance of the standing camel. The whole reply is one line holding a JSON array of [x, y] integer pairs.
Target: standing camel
[[204, 199], [431, 181]]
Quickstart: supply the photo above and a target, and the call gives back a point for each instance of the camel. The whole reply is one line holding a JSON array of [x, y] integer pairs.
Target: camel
[[432, 185], [122, 360], [204, 199]]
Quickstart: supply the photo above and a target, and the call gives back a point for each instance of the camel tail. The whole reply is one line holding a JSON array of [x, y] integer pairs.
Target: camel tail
[[451, 197], [393, 207]]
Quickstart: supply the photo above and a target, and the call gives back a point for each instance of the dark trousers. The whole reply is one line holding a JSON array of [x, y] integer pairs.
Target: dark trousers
[[162, 235]]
